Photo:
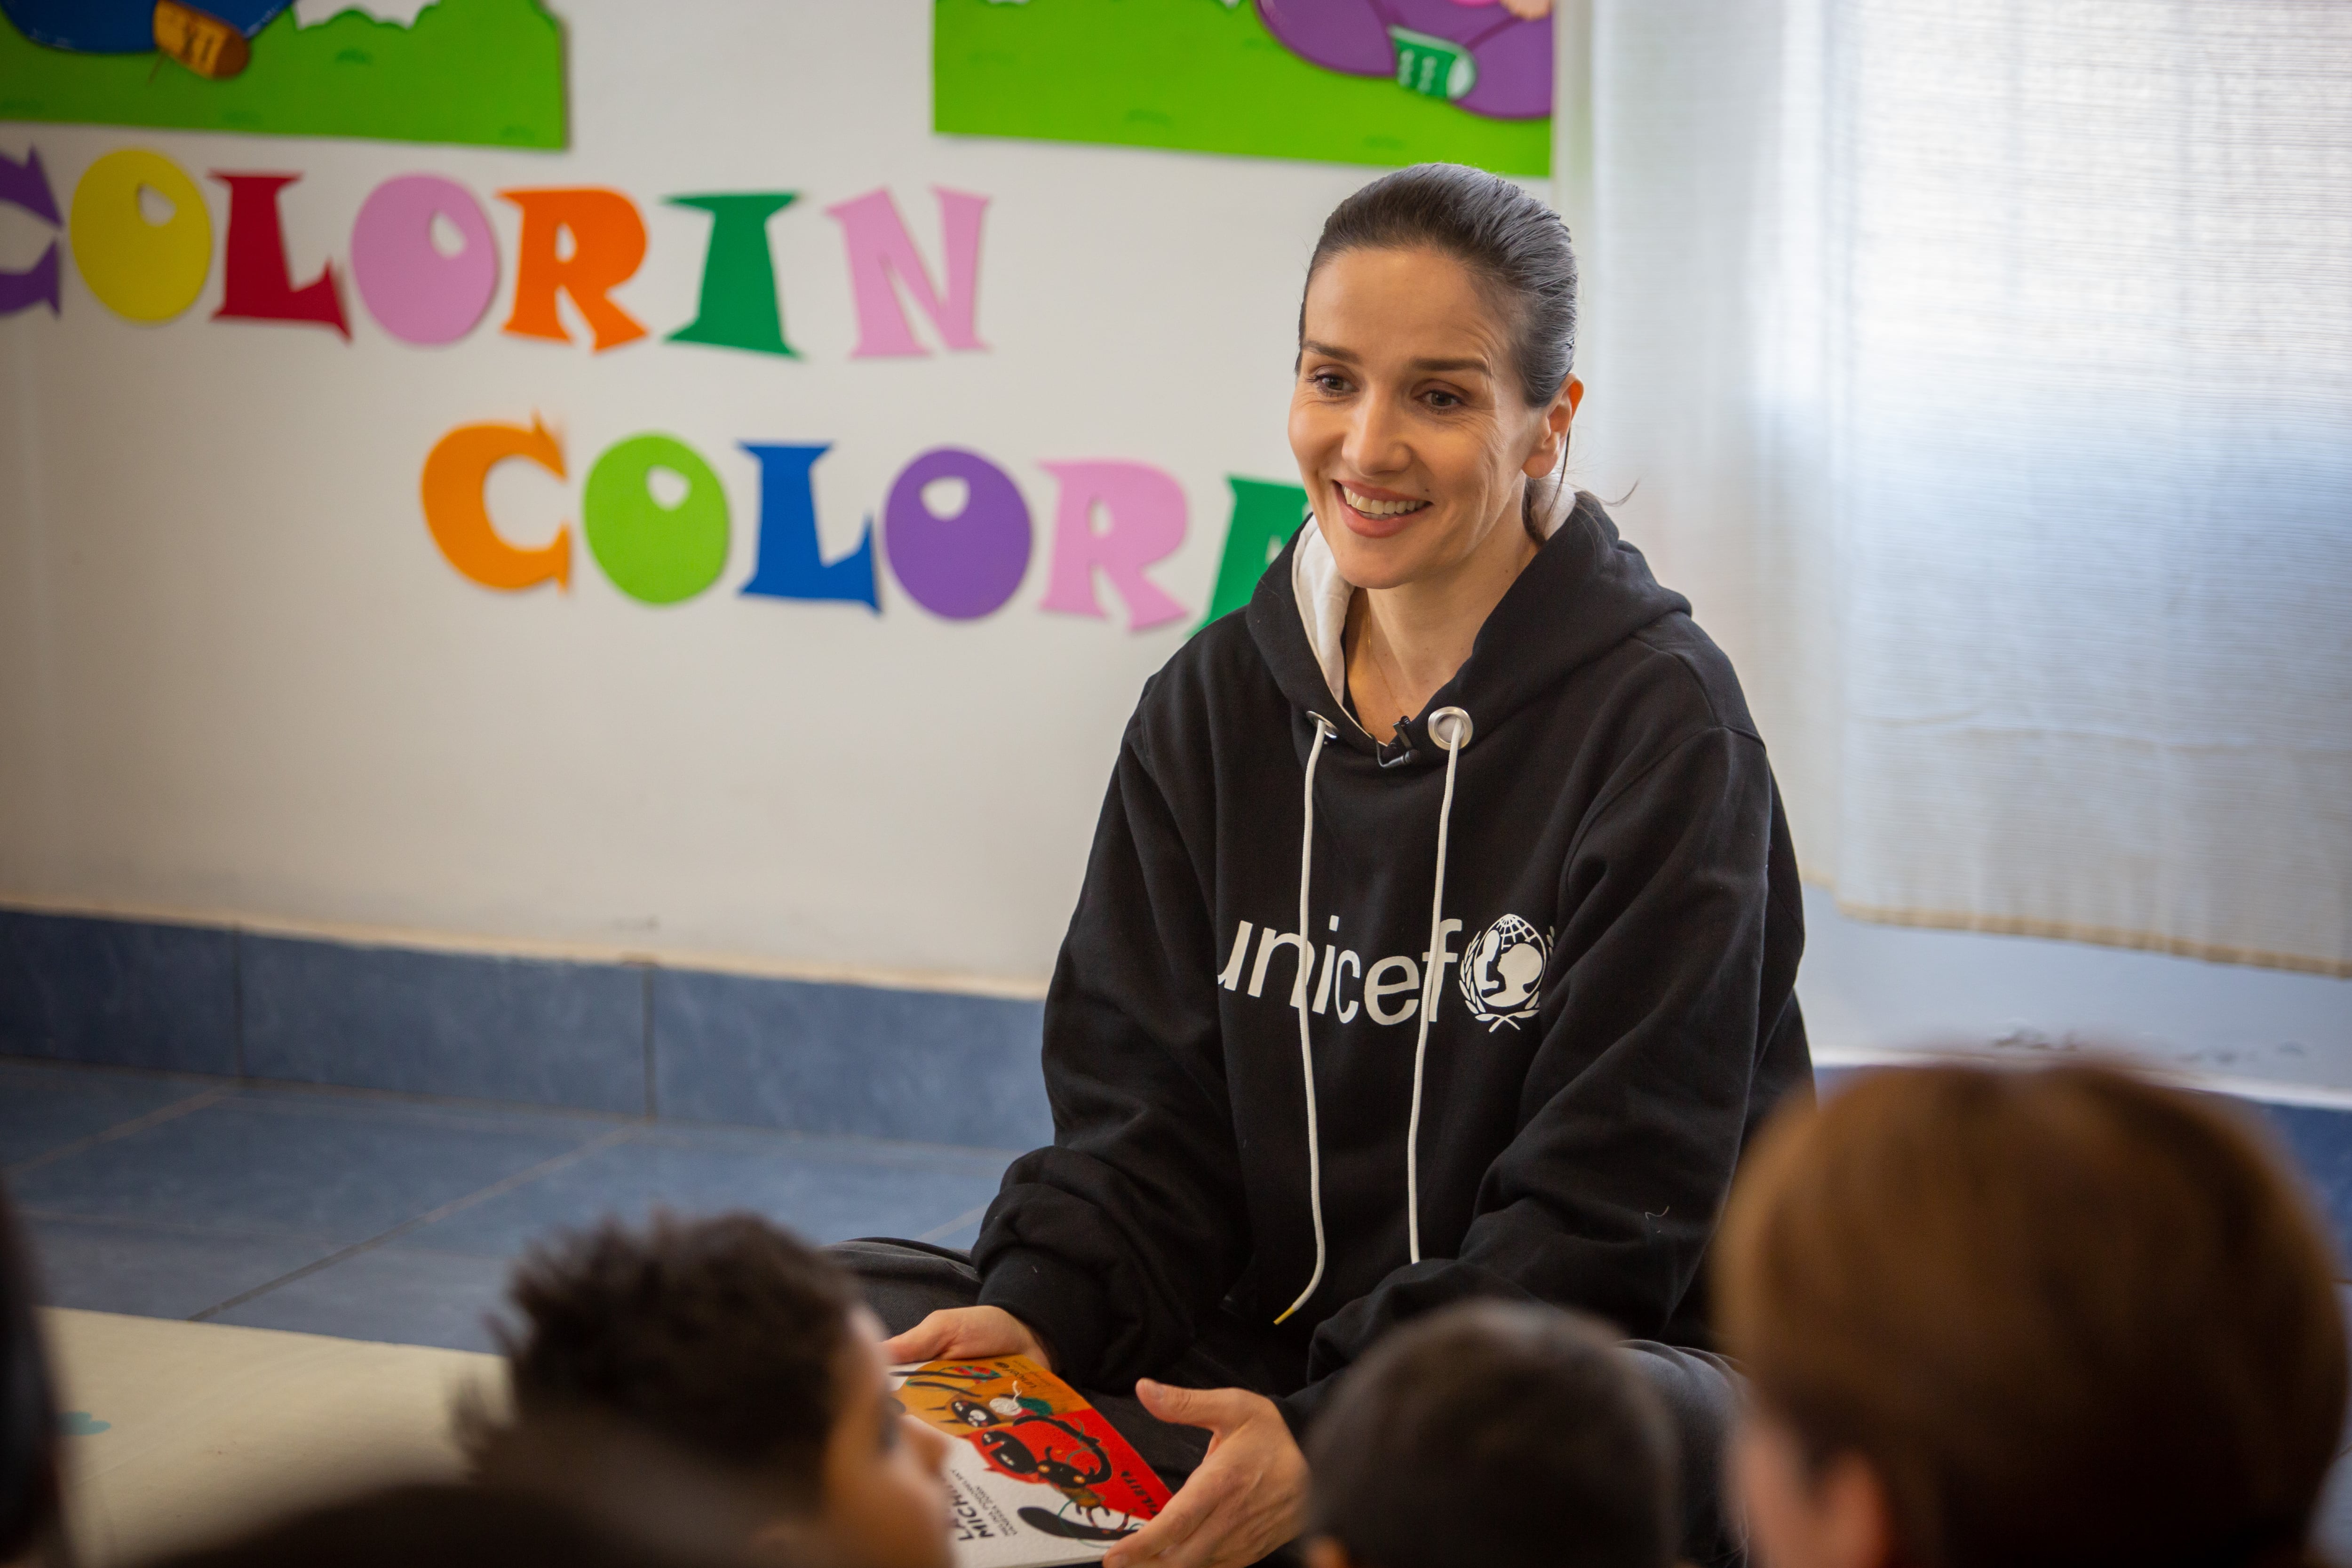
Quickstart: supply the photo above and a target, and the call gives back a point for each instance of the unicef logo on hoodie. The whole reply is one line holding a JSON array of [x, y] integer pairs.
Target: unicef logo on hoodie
[[1501, 972]]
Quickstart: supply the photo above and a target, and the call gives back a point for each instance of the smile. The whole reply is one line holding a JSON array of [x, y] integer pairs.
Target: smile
[[1371, 508]]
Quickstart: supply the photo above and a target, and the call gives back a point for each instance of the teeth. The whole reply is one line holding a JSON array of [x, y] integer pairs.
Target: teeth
[[1371, 508]]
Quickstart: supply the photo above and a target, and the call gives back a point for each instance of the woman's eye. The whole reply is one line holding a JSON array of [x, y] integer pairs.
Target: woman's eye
[[1325, 381], [1443, 400]]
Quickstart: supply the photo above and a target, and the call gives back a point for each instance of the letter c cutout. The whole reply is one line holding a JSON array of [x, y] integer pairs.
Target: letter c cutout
[[455, 472]]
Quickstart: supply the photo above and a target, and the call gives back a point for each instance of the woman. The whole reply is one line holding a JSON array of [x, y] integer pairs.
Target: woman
[[2062, 1318], [1440, 931]]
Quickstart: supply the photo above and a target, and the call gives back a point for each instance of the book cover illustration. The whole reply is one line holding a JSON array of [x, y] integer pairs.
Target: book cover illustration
[[1039, 1476]]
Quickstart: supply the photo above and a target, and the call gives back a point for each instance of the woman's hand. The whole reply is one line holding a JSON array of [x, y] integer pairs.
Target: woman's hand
[[967, 1331], [1248, 1496]]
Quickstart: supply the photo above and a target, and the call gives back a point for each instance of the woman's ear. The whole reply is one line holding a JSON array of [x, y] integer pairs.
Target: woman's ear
[[1556, 418]]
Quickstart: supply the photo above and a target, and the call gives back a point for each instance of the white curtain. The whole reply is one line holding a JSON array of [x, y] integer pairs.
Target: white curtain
[[1984, 371]]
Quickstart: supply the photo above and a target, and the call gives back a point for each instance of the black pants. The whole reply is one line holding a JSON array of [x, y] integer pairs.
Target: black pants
[[906, 1280]]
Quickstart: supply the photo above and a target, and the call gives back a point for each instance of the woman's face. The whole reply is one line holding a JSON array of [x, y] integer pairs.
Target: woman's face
[[1407, 421]]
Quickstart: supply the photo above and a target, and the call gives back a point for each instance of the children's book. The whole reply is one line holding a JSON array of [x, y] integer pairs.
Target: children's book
[[1038, 1476]]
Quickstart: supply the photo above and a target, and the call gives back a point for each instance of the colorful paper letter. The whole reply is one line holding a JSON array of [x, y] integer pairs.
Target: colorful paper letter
[[791, 565], [651, 551], [963, 567], [255, 285], [739, 276], [414, 292], [142, 271], [1266, 515], [26, 185], [1145, 508], [608, 241], [454, 474], [880, 251]]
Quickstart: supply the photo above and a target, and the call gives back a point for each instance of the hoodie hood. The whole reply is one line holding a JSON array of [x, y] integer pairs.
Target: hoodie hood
[[1585, 591]]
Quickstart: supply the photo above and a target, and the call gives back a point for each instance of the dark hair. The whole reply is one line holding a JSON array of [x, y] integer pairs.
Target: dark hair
[[446, 1526], [1517, 249], [32, 1523], [2066, 1317], [722, 1336], [1495, 1435]]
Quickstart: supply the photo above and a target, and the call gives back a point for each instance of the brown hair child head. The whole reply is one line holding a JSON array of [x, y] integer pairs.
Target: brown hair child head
[[729, 1343], [1493, 1434], [2014, 1318]]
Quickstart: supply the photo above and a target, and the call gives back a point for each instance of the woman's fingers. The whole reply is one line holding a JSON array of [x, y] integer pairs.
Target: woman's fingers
[[1221, 1410], [966, 1331], [1177, 1523], [919, 1343], [958, 1330], [1245, 1500]]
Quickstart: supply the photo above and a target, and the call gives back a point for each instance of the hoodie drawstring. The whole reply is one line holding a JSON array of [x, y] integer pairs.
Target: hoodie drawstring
[[1458, 722], [1323, 732], [1456, 735]]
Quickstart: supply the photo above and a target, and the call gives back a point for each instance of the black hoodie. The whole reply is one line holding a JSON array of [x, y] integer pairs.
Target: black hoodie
[[1613, 1014]]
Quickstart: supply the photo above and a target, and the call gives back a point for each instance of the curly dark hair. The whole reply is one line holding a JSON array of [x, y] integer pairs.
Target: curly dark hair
[[722, 1336]]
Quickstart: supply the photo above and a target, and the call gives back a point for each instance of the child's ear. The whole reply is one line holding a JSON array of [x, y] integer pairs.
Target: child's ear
[[1325, 1551]]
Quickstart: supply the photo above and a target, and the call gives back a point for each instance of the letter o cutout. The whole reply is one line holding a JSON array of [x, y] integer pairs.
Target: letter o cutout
[[142, 271], [414, 292], [964, 566], [656, 554]]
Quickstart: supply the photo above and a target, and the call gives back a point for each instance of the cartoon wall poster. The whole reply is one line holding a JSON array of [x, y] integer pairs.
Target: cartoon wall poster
[[478, 72], [1382, 82]]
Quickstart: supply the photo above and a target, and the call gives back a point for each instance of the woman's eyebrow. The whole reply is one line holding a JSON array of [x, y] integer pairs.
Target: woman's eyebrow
[[1419, 366]]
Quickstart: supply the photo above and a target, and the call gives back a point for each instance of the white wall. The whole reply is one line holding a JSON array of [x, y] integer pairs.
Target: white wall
[[236, 679]]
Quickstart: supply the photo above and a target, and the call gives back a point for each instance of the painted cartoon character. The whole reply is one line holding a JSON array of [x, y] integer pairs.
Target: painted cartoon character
[[213, 39], [1490, 57]]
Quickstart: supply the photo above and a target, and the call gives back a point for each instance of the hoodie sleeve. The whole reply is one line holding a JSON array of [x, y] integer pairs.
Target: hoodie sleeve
[[1635, 1103], [1117, 1240]]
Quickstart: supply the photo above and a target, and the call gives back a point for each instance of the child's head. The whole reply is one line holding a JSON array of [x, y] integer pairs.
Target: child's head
[[1492, 1435], [2064, 1317], [731, 1343]]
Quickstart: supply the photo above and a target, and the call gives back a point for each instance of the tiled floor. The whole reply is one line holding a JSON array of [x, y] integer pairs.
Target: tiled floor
[[375, 1216], [383, 1217]]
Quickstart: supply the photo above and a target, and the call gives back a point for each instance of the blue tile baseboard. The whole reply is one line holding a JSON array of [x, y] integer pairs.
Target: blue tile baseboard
[[535, 1030], [126, 993], [860, 1060], [625, 1038]]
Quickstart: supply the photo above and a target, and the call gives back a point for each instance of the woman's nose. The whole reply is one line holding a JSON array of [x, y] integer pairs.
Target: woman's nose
[[1375, 443]]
